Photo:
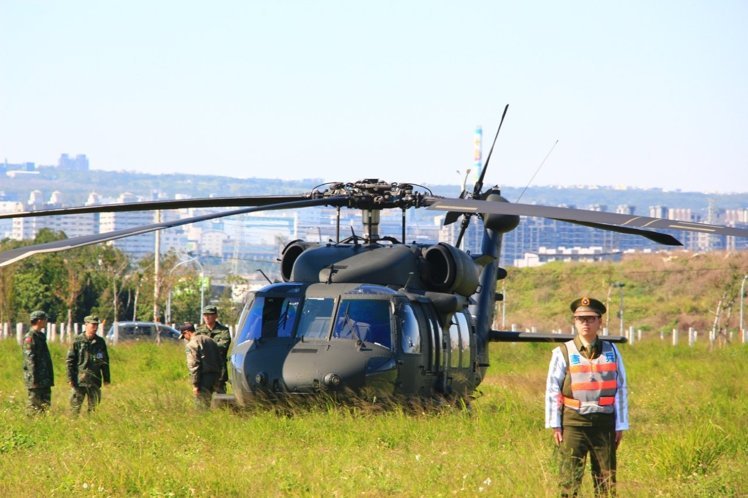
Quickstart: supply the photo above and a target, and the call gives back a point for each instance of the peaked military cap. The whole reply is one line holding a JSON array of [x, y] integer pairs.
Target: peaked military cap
[[210, 310], [586, 306], [91, 319], [38, 315]]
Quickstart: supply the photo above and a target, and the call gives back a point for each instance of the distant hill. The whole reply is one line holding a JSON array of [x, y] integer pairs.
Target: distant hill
[[662, 291]]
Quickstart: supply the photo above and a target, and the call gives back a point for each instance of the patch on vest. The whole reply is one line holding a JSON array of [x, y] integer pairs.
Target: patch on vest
[[574, 359], [610, 357]]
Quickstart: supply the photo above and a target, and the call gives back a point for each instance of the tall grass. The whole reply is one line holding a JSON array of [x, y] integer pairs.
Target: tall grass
[[689, 409]]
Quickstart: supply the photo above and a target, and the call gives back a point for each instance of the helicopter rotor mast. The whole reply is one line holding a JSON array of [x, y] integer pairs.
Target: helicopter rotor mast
[[371, 196]]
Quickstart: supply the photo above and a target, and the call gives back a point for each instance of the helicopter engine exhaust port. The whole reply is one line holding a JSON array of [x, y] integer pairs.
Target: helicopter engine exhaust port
[[450, 270], [290, 254]]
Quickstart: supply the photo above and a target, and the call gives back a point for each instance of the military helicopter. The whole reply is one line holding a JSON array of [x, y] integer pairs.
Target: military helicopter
[[368, 315]]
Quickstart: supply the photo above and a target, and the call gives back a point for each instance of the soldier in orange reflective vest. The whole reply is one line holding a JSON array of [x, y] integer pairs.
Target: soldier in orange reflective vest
[[586, 402]]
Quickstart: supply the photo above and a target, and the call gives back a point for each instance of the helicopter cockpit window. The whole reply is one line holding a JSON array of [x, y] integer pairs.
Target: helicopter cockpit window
[[367, 320], [270, 317], [411, 337], [316, 314]]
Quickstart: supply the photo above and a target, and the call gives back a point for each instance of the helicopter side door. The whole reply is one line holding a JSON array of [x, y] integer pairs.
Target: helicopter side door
[[458, 373], [412, 351], [431, 368]]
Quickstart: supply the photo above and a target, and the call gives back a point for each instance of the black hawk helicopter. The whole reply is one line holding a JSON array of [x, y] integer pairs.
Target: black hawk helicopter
[[372, 315]]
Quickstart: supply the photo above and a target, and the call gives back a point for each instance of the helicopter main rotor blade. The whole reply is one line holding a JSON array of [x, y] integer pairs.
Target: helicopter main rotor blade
[[20, 253], [581, 216], [202, 202], [511, 336]]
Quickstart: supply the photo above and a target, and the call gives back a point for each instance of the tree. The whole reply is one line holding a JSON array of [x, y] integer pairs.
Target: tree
[[113, 265]]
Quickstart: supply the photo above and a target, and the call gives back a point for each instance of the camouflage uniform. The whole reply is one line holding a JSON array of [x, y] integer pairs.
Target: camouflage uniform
[[204, 363], [88, 366], [222, 337], [38, 373]]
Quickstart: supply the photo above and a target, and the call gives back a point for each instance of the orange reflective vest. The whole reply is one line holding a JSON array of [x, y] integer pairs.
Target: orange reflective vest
[[593, 382]]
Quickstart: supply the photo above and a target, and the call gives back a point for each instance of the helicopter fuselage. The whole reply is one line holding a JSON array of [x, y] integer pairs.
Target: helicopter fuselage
[[352, 339]]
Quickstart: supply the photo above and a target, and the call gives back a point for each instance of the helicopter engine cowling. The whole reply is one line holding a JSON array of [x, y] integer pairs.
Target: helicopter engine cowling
[[290, 254], [371, 263], [394, 265], [450, 270]]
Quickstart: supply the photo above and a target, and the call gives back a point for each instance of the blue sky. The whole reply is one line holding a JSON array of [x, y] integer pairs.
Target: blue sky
[[646, 94]]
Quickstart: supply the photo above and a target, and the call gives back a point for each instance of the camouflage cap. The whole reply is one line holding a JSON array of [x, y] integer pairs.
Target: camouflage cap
[[586, 306], [210, 310], [38, 315], [91, 319]]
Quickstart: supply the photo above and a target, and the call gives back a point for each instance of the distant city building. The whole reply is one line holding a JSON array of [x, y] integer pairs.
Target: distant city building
[[544, 255], [78, 163], [12, 169]]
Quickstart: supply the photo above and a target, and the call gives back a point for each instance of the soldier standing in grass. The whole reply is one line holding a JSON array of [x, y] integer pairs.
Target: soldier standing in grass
[[203, 362], [38, 373], [222, 337], [586, 402], [88, 366]]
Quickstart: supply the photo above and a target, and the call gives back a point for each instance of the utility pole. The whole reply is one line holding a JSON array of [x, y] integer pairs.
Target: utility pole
[[620, 286], [156, 269], [742, 300]]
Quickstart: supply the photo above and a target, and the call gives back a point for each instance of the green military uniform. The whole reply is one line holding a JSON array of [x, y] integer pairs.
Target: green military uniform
[[88, 366], [38, 373], [222, 336], [205, 365]]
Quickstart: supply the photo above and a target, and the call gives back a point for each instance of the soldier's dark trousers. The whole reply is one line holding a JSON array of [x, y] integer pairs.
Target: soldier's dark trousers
[[206, 387], [222, 378], [40, 399], [79, 393], [600, 443]]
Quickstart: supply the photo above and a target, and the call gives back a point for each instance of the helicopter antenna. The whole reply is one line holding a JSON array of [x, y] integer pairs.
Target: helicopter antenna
[[410, 276], [337, 225], [537, 170], [263, 274], [333, 271], [479, 184]]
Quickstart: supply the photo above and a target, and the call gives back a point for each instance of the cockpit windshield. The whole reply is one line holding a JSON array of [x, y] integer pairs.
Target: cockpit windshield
[[315, 318], [367, 320], [270, 317]]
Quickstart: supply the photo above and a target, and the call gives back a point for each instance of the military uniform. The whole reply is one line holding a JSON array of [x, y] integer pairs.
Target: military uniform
[[38, 373], [222, 337], [88, 367], [205, 364], [586, 397]]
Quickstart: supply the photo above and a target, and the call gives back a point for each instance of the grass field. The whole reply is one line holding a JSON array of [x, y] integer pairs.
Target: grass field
[[689, 437]]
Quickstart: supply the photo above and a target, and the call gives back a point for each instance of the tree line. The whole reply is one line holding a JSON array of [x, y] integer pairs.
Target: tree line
[[102, 280]]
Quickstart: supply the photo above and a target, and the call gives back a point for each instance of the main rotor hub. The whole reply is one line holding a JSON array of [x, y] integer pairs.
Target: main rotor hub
[[373, 194]]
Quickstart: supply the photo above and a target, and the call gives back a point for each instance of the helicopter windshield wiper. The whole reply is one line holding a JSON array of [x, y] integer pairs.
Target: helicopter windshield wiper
[[350, 326]]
